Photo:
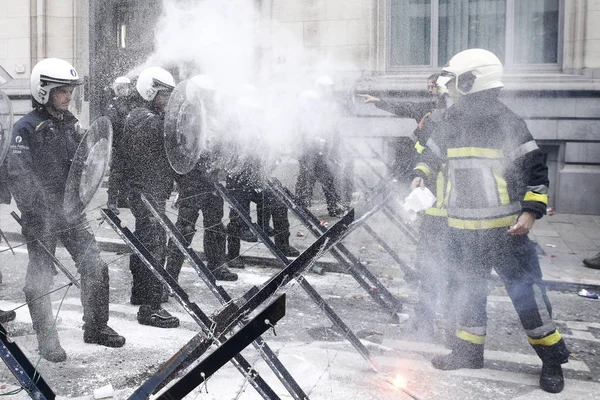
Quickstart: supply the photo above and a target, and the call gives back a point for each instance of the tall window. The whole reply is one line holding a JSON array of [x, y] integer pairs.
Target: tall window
[[430, 32], [135, 24]]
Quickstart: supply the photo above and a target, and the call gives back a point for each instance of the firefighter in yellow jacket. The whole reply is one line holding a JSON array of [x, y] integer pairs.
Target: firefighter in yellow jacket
[[497, 187]]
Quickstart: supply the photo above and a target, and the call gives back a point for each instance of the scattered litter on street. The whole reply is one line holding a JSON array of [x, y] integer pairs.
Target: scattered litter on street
[[588, 294]]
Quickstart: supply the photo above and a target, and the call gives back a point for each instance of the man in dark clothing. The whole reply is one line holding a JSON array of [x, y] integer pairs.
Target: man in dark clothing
[[5, 197], [498, 187], [117, 111], [317, 121], [197, 193], [42, 149], [245, 186], [404, 158], [149, 172], [246, 183], [433, 241]]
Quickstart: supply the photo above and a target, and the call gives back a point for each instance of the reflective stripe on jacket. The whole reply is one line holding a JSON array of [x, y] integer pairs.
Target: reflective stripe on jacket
[[495, 168]]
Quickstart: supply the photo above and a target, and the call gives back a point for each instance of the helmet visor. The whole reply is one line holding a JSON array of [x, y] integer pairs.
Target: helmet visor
[[158, 85], [444, 79], [47, 80]]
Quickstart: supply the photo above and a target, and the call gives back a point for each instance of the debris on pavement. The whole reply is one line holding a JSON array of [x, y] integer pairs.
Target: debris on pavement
[[588, 294]]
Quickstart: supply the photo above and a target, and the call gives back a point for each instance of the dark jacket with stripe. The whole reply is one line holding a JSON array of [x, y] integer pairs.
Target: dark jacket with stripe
[[145, 160], [494, 167], [39, 160]]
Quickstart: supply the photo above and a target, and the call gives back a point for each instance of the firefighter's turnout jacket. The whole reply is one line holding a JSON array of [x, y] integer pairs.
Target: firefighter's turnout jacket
[[495, 168]]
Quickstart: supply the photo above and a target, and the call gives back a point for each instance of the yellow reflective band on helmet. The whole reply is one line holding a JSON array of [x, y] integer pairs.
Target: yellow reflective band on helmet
[[532, 196], [502, 187], [419, 147], [469, 337], [548, 340], [437, 212], [424, 168], [478, 224], [481, 152]]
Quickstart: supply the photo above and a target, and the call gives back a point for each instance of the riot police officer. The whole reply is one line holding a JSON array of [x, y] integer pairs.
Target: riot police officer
[[317, 125], [43, 145], [246, 184], [117, 111], [149, 172], [196, 193]]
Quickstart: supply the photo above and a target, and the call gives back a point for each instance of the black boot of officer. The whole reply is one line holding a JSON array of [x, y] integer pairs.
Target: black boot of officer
[[281, 225], [592, 262]]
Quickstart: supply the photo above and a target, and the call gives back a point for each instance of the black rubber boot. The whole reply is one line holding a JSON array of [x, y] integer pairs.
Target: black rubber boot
[[592, 262], [7, 316], [236, 262], [247, 236], [551, 378], [104, 336], [282, 242], [42, 319], [157, 317], [224, 274], [288, 250], [464, 355], [268, 230], [49, 346]]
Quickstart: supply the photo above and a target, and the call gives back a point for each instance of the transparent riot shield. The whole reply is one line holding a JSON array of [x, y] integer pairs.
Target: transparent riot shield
[[89, 165], [185, 127], [6, 123]]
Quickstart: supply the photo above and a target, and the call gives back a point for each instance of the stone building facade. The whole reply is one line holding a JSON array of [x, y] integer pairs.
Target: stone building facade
[[550, 48]]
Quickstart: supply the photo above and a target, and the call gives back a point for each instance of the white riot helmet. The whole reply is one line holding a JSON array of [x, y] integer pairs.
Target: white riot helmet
[[204, 82], [324, 85], [249, 114], [122, 86], [472, 71], [324, 81], [308, 101], [152, 80], [49, 74], [199, 87]]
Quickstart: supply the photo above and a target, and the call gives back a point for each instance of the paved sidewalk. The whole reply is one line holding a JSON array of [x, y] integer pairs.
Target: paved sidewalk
[[563, 240]]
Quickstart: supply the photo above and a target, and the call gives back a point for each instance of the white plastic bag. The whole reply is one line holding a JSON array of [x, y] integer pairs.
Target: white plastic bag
[[419, 199]]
